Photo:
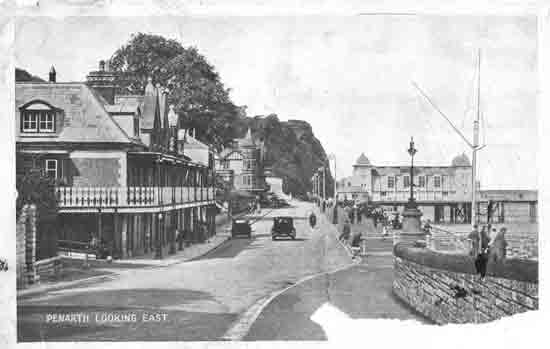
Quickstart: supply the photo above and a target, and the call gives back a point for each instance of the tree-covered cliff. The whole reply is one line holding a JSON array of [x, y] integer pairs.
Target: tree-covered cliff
[[291, 150]]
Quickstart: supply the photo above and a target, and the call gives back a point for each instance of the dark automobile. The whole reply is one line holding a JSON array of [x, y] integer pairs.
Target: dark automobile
[[283, 227], [241, 227]]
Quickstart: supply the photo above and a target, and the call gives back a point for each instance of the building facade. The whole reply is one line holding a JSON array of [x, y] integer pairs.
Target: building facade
[[242, 165], [509, 206], [120, 173], [442, 192]]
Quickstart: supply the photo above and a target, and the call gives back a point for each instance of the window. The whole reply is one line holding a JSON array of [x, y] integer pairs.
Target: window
[[247, 180], [30, 122], [391, 181], [38, 117], [136, 127], [45, 122], [51, 168], [421, 181], [248, 164], [406, 181], [437, 182]]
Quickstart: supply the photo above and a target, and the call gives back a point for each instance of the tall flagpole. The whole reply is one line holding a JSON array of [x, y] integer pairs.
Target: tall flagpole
[[476, 142], [475, 145]]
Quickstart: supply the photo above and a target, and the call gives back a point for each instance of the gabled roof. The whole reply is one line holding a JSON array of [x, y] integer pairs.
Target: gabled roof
[[362, 161], [150, 106], [228, 151], [85, 118], [247, 141], [190, 141], [125, 104], [461, 160], [121, 109]]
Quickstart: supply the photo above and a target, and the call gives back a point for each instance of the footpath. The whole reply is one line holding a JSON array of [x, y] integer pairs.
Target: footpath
[[363, 291], [74, 274]]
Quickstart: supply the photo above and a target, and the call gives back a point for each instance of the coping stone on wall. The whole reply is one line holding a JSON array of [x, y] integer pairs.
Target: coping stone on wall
[[512, 269]]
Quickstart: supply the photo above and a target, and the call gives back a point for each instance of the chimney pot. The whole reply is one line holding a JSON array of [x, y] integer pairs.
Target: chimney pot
[[52, 74]]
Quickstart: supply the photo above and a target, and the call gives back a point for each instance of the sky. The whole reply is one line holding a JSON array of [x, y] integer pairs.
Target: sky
[[350, 77]]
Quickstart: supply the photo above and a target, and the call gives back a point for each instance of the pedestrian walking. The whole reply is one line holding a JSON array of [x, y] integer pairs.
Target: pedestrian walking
[[482, 257], [312, 220], [474, 238], [497, 247], [346, 231], [355, 244], [384, 232]]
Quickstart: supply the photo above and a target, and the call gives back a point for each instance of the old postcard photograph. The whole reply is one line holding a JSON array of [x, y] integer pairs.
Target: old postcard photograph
[[263, 177]]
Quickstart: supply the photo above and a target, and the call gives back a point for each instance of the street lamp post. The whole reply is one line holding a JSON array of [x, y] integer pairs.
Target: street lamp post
[[411, 213], [159, 236], [333, 157], [411, 152], [173, 148]]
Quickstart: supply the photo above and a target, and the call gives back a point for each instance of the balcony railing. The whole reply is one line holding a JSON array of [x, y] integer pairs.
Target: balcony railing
[[130, 196], [419, 195]]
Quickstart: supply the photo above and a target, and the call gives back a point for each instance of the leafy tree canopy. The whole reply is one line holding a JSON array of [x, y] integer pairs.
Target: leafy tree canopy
[[34, 188], [195, 88]]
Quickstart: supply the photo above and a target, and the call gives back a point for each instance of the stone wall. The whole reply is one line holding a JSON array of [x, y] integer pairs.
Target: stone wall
[[48, 267], [26, 246], [446, 289]]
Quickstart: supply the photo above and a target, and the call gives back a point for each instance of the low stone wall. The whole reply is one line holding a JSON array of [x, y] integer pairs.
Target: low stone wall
[[26, 246], [446, 289], [48, 267]]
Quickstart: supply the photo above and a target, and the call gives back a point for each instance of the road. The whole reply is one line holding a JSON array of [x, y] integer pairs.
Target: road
[[211, 298]]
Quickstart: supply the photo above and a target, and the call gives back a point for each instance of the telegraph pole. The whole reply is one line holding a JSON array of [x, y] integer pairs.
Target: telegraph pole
[[324, 183], [333, 156]]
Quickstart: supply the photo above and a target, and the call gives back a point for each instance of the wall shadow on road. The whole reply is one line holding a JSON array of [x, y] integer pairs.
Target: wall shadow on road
[[231, 248], [181, 324]]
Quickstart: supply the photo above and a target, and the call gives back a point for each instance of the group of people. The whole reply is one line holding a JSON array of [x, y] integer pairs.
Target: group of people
[[487, 245]]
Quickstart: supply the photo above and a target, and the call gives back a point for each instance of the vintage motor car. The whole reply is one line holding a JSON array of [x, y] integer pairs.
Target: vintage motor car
[[241, 227], [283, 227]]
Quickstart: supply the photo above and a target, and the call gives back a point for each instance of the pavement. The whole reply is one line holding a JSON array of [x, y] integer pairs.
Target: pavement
[[73, 274]]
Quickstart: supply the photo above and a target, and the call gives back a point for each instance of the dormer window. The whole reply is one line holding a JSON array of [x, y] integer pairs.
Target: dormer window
[[38, 117]]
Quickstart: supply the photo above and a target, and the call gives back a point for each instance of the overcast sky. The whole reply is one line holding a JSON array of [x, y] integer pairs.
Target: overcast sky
[[348, 76]]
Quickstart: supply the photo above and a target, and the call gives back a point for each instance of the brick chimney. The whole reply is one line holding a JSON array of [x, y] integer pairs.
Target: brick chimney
[[103, 81], [52, 75]]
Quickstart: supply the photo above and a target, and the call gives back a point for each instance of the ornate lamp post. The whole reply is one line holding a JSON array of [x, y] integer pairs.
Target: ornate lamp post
[[173, 148], [159, 236], [411, 213], [411, 152]]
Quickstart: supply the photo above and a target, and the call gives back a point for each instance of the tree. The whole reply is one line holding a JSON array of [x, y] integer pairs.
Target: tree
[[21, 75], [36, 189], [195, 88]]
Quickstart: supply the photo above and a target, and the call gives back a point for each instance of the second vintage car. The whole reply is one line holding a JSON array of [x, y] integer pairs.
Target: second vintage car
[[283, 227], [241, 227]]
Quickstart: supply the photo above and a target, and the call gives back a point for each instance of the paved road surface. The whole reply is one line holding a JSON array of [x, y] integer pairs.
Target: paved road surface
[[202, 299]]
